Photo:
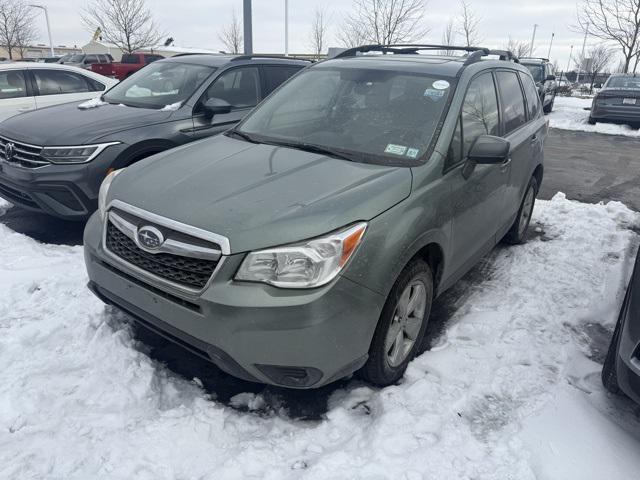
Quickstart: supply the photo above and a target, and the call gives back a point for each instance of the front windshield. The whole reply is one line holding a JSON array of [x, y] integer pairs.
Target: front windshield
[[159, 84], [537, 72], [369, 114], [75, 59], [623, 82]]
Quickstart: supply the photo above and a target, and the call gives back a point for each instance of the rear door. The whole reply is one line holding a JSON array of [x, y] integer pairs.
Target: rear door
[[60, 86], [524, 135], [16, 95], [240, 87], [477, 191]]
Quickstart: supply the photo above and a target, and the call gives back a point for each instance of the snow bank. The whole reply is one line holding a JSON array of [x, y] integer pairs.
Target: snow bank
[[569, 114], [78, 398], [93, 103]]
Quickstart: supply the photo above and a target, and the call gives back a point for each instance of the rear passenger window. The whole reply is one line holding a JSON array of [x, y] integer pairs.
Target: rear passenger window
[[513, 110], [276, 75], [239, 87], [54, 82], [12, 84], [531, 93]]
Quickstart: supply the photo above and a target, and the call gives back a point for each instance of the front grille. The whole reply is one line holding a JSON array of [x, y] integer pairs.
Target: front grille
[[27, 156], [186, 271]]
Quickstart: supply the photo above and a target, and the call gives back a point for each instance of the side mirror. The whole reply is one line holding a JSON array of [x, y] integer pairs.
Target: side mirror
[[489, 150], [216, 106], [550, 78]]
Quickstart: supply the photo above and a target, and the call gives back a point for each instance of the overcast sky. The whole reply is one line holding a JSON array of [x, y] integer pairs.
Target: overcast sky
[[196, 23]]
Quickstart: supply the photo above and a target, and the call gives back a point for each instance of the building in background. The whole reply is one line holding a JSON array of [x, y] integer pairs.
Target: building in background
[[97, 46], [38, 51]]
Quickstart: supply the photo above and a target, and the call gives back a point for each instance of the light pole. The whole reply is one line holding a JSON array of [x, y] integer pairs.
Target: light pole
[[248, 30], [550, 45], [46, 16], [286, 27], [533, 39], [568, 63], [584, 44]]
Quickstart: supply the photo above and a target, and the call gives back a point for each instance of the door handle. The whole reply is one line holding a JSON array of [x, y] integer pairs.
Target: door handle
[[25, 109], [534, 137], [504, 166]]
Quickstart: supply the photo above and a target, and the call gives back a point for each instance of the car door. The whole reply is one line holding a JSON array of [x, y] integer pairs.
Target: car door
[[240, 87], [16, 95], [477, 190], [60, 86], [525, 131]]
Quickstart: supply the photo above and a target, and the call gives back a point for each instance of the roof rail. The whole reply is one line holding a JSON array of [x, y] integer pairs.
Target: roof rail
[[402, 48], [475, 53], [187, 54], [266, 55], [535, 58]]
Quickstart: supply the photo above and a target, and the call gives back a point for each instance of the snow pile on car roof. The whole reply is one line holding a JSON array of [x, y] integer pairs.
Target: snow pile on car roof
[[80, 399]]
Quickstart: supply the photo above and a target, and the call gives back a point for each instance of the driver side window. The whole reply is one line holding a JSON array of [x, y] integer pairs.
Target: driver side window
[[239, 87], [479, 116]]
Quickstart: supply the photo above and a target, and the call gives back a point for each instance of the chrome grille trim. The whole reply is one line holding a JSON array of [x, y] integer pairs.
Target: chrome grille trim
[[26, 155], [128, 229]]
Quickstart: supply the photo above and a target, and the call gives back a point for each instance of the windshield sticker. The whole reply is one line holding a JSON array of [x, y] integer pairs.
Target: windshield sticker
[[434, 94], [413, 152], [440, 85], [395, 149]]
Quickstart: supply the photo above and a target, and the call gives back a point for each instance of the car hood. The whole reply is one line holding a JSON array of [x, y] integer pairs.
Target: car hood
[[67, 124], [259, 196]]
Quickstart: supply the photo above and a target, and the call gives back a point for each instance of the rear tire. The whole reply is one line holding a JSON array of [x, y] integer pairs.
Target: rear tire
[[547, 109], [609, 374], [518, 231], [401, 326], [592, 121]]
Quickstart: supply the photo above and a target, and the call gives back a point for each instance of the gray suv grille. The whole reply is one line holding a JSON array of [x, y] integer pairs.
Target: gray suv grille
[[190, 272], [22, 154]]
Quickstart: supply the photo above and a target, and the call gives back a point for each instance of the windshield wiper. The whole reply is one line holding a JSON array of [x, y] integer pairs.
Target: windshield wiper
[[242, 135], [310, 147]]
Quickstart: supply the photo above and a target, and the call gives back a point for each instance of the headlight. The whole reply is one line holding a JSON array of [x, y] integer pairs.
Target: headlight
[[78, 154], [304, 265], [104, 191]]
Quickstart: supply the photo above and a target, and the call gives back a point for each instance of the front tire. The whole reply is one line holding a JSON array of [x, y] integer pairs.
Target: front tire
[[547, 109], [592, 121], [401, 326], [518, 231]]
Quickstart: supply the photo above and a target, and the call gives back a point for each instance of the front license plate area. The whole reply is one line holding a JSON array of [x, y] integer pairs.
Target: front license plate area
[[629, 101]]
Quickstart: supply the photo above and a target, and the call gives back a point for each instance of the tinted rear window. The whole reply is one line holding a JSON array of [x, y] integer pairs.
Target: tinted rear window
[[513, 110], [276, 75], [128, 58], [531, 93]]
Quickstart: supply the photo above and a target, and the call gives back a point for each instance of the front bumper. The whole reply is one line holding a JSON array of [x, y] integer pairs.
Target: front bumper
[[290, 338], [66, 191]]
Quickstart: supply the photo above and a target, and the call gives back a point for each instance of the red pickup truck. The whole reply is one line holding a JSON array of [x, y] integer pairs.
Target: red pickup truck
[[130, 63]]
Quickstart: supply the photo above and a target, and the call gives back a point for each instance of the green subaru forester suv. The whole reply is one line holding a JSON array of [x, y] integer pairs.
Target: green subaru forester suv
[[309, 241]]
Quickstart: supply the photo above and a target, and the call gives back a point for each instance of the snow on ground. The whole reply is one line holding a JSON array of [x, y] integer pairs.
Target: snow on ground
[[569, 114], [509, 391]]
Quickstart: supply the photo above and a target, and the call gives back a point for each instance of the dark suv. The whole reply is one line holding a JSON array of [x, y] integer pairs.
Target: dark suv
[[543, 74], [54, 159], [310, 241]]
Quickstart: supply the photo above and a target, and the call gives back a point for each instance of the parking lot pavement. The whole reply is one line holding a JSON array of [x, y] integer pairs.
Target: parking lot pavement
[[588, 167], [592, 167]]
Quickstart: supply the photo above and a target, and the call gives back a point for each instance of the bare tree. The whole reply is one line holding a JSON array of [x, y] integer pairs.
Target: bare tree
[[469, 24], [594, 61], [518, 48], [128, 24], [17, 28], [616, 21], [449, 37], [384, 22], [231, 35], [319, 31]]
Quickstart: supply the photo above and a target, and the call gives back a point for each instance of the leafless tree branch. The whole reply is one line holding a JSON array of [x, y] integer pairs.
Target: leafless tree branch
[[449, 37], [384, 22], [469, 24], [518, 48], [231, 35], [128, 24], [595, 60], [17, 27], [319, 31]]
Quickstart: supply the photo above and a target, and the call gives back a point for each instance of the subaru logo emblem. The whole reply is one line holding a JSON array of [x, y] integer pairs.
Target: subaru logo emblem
[[150, 238], [9, 150]]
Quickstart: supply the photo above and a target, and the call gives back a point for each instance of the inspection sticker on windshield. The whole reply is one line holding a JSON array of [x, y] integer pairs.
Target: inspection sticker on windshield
[[395, 149], [434, 94], [413, 152], [440, 84]]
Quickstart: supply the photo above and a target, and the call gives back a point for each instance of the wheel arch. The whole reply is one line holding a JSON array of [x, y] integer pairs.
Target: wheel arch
[[142, 150]]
